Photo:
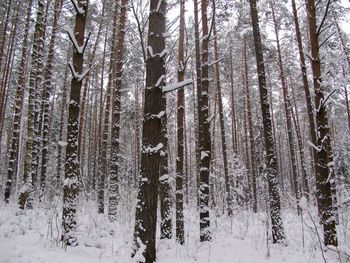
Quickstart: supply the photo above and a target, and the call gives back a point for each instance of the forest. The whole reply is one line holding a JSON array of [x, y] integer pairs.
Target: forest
[[174, 131]]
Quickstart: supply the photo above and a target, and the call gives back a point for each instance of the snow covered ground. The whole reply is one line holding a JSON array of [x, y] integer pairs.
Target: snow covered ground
[[33, 237]]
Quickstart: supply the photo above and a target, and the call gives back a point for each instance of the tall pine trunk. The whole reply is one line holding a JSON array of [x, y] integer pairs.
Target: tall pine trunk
[[154, 108], [204, 132], [271, 160], [71, 176], [180, 236], [116, 109], [323, 141]]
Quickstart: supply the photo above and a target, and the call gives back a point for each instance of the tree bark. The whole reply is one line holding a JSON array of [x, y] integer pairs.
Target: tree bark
[[71, 176], [204, 132], [271, 160], [323, 140], [180, 235], [154, 108], [116, 108]]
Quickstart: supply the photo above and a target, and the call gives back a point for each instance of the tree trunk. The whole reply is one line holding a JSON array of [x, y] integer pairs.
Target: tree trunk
[[271, 160], [71, 176], [113, 180], [196, 103], [180, 236], [204, 132], [154, 108], [14, 150], [323, 140]]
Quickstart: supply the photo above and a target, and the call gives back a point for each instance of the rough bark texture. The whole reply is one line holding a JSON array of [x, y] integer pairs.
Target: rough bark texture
[[14, 150], [323, 141], [154, 108], [180, 236], [113, 180], [271, 160], [71, 181], [204, 132]]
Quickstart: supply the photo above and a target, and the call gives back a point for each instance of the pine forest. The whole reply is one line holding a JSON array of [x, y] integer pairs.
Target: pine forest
[[174, 131]]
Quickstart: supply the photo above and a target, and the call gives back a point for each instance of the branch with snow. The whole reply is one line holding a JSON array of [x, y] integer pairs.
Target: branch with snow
[[79, 49], [75, 74], [177, 85]]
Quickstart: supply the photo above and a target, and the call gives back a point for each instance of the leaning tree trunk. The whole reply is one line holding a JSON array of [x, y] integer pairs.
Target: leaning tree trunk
[[14, 150], [271, 160], [71, 176], [204, 132], [116, 108], [323, 140], [154, 108], [180, 236]]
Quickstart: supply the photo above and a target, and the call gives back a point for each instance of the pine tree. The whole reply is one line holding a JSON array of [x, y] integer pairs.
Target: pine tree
[[154, 108], [271, 160], [71, 175]]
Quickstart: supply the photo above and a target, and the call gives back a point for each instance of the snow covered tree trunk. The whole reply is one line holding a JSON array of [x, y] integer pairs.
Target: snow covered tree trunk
[[278, 235], [14, 150], [251, 132], [204, 133], [152, 147], [323, 140], [180, 235], [71, 181], [222, 123], [47, 92], [116, 108]]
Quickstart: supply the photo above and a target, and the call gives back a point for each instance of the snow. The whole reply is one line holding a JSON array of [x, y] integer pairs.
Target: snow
[[33, 236]]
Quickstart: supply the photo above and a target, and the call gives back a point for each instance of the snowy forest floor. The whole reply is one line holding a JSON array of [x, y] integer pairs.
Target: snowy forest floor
[[33, 236]]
